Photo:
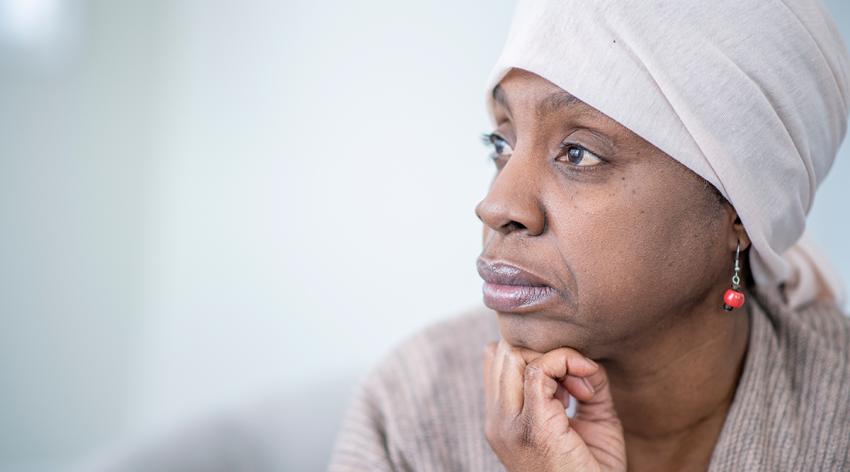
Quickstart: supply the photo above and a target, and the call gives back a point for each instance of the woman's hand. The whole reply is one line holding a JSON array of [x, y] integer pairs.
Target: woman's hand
[[525, 399]]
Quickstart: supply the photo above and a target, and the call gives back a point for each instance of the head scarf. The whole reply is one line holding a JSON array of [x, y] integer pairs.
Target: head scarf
[[751, 95]]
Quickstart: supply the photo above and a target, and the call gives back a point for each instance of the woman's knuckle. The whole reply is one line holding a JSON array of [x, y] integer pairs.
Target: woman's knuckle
[[533, 370], [601, 383]]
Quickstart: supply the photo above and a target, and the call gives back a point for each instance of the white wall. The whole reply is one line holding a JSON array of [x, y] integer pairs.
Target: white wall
[[208, 204]]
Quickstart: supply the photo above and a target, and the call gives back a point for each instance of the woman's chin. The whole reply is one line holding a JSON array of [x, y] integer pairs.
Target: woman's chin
[[538, 332]]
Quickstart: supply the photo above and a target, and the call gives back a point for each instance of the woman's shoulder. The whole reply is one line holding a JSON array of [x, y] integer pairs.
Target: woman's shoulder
[[817, 333], [812, 347], [421, 404], [805, 375], [791, 410]]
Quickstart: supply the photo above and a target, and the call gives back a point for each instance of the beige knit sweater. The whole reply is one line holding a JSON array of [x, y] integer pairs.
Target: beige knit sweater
[[421, 407]]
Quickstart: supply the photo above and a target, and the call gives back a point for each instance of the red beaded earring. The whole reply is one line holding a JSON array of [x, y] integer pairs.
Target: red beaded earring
[[734, 298]]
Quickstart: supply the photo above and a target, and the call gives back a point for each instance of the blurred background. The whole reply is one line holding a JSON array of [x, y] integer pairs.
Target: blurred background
[[217, 215]]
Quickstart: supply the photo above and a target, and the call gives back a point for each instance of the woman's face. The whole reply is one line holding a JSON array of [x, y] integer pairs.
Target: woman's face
[[630, 240]]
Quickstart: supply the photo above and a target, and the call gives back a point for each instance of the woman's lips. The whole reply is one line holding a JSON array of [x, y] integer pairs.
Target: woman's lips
[[516, 298], [509, 288]]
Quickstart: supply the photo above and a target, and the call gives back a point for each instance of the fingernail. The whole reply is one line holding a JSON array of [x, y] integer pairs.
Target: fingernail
[[587, 384], [591, 362]]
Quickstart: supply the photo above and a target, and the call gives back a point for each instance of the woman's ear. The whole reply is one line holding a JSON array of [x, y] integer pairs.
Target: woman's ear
[[737, 232], [741, 233]]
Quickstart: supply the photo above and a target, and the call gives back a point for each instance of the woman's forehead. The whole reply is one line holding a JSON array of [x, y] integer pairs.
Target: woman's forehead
[[544, 103], [550, 102], [520, 88]]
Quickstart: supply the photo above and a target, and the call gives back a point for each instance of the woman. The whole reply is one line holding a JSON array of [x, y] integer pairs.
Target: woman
[[643, 252]]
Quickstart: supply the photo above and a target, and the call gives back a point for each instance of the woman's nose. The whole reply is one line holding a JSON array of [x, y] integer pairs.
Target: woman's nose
[[513, 200]]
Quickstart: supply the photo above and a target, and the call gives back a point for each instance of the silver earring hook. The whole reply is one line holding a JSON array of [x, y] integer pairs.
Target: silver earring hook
[[736, 278]]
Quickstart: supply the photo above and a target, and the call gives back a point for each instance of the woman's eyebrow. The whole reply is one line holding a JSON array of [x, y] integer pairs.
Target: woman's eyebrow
[[548, 105], [501, 97], [555, 101]]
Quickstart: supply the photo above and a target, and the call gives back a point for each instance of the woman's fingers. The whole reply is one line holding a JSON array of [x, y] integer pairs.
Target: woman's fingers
[[561, 361], [489, 355], [597, 422], [526, 425], [598, 406], [510, 380], [563, 395], [503, 372], [505, 369], [544, 375], [582, 377]]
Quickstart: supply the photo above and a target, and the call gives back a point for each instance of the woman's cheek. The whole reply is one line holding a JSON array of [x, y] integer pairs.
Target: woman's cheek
[[612, 258]]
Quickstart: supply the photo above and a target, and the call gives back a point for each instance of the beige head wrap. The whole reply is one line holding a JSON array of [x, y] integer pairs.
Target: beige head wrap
[[751, 95]]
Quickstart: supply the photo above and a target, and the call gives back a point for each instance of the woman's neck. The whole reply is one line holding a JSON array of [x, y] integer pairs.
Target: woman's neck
[[672, 392]]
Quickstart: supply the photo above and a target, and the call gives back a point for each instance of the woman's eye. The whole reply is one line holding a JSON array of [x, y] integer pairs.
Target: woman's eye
[[579, 156], [499, 144]]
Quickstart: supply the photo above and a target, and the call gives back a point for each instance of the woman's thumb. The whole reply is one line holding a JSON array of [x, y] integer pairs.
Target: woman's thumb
[[596, 421]]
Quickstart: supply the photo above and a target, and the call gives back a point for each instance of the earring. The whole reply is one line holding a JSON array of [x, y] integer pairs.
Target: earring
[[734, 298]]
